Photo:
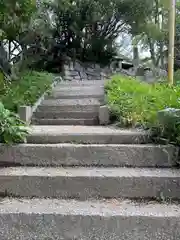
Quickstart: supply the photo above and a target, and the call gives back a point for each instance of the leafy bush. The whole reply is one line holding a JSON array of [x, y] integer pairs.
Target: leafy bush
[[26, 90], [177, 77], [136, 103], [12, 129], [170, 125]]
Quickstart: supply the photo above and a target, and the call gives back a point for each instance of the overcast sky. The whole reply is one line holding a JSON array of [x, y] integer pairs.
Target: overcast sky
[[125, 42]]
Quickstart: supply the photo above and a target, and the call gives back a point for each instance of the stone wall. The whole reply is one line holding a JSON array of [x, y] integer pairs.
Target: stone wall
[[89, 71], [85, 71]]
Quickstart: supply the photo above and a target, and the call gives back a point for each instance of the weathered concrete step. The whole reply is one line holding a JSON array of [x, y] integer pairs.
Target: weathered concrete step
[[80, 83], [79, 95], [71, 114], [70, 102], [66, 121], [67, 105], [69, 108], [88, 155], [69, 219], [84, 183], [79, 89], [85, 134]]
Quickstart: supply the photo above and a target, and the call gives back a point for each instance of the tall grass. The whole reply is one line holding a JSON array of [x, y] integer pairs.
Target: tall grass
[[26, 90], [137, 103]]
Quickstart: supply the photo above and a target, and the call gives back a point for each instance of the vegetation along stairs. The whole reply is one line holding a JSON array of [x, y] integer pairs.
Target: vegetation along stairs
[[77, 180]]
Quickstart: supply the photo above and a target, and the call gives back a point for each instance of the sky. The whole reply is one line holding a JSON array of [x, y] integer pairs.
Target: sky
[[125, 42]]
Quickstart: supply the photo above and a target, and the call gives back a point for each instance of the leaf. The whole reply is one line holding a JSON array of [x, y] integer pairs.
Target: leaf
[[12, 129]]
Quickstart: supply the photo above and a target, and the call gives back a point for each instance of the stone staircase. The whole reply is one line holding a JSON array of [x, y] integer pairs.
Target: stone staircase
[[87, 182], [72, 103]]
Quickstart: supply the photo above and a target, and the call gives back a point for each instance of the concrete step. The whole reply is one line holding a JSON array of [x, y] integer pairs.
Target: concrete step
[[74, 95], [85, 134], [79, 89], [70, 102], [85, 183], [66, 121], [72, 114], [69, 219], [89, 155], [75, 83], [89, 105]]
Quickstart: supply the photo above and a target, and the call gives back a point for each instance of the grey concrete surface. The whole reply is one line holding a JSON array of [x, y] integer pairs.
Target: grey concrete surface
[[84, 183], [85, 134], [70, 105], [39, 101], [70, 102], [89, 155], [104, 115], [72, 114], [25, 113], [38, 219], [66, 121], [70, 108], [74, 95], [83, 97], [69, 89], [79, 84]]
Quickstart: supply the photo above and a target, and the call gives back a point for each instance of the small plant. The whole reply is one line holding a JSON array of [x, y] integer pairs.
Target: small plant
[[135, 103], [169, 120], [26, 90], [12, 129], [177, 77]]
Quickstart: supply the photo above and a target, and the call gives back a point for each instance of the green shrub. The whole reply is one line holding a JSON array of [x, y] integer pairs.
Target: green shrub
[[170, 125], [177, 77], [26, 90], [136, 103], [12, 129]]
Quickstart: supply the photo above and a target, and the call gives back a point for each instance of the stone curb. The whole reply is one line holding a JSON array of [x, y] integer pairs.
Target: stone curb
[[104, 115], [26, 112]]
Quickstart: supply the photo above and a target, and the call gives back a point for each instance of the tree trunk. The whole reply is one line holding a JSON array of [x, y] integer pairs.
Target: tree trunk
[[4, 63], [135, 56], [152, 51]]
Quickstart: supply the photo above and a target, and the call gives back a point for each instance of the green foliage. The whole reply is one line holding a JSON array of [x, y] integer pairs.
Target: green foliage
[[12, 129], [153, 33], [170, 125], [83, 29], [26, 90], [136, 103], [135, 13], [1, 81], [14, 15], [87, 29], [177, 77], [177, 37]]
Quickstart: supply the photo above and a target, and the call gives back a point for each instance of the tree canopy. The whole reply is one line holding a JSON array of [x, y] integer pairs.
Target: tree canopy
[[46, 31]]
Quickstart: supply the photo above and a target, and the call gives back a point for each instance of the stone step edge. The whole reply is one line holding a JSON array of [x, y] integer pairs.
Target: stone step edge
[[90, 172], [85, 134], [87, 183], [79, 145], [67, 97], [69, 154], [66, 114], [104, 207], [71, 102], [69, 108], [71, 120], [69, 219]]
